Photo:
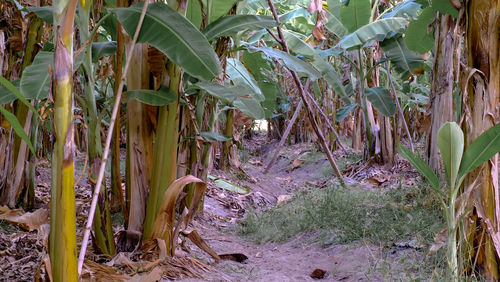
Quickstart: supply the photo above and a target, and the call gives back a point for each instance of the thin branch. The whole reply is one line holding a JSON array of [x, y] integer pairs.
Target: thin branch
[[309, 109], [108, 142], [273, 35], [399, 106]]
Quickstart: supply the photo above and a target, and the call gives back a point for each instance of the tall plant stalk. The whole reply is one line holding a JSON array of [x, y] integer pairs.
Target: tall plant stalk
[[62, 246], [103, 230], [165, 146]]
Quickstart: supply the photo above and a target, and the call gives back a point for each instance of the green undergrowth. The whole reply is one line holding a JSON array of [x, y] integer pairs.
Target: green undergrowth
[[342, 216]]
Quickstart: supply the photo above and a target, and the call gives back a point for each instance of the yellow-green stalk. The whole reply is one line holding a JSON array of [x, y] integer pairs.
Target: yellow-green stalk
[[62, 246]]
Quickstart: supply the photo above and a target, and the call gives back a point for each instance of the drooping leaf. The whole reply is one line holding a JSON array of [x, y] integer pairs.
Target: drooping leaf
[[356, 14], [405, 61], [237, 95], [421, 166], [160, 97], [344, 111], [165, 217], [250, 107], [451, 145], [6, 96], [103, 49], [175, 36], [262, 70], [299, 12], [297, 44], [291, 62], [417, 37], [381, 99], [35, 81], [407, 9], [218, 8], [7, 84], [377, 30], [334, 7], [238, 74], [481, 150], [18, 128], [46, 13], [213, 136], [335, 25], [225, 93], [232, 24]]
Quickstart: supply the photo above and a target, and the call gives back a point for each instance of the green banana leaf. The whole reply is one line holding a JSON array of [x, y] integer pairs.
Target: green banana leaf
[[291, 62], [407, 9], [18, 128], [232, 24], [381, 99], [481, 150], [160, 97], [451, 145], [238, 74], [406, 62], [377, 30], [299, 12], [6, 95], [356, 14], [45, 13], [422, 167], [103, 49], [335, 25], [218, 8], [417, 37], [344, 111], [224, 184], [237, 95], [12, 88], [175, 36], [209, 136], [35, 81]]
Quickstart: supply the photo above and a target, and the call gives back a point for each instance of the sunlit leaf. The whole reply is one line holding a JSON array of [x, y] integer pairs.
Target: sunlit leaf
[[450, 141], [175, 36], [232, 24]]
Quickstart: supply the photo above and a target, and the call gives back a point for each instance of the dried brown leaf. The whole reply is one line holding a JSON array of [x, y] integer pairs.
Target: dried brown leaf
[[439, 241], [295, 164], [29, 221]]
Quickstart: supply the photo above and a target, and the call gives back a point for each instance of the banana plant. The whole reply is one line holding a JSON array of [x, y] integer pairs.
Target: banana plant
[[458, 164]]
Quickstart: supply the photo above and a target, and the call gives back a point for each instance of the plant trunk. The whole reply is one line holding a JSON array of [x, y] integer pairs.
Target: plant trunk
[[441, 100], [116, 179], [481, 113], [139, 142], [62, 246], [18, 177]]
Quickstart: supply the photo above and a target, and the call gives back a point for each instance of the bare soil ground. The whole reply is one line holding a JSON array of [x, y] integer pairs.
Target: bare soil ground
[[22, 252]]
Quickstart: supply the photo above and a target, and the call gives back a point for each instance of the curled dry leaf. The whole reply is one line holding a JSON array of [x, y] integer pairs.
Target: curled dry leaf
[[28, 221], [165, 218], [295, 164], [439, 241]]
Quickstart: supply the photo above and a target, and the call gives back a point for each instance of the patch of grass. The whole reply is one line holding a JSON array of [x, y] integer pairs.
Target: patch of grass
[[344, 216], [7, 228], [327, 170]]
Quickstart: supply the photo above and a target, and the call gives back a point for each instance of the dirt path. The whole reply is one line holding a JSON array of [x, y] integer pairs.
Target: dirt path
[[296, 259]]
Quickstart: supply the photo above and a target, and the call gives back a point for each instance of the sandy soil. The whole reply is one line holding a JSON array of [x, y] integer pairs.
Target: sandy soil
[[294, 260]]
